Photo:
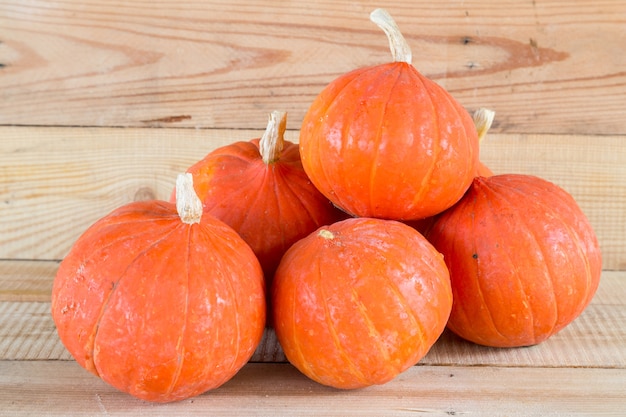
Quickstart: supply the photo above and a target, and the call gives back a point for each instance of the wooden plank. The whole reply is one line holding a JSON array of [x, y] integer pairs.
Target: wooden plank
[[55, 182], [596, 339], [26, 280], [546, 66], [62, 388]]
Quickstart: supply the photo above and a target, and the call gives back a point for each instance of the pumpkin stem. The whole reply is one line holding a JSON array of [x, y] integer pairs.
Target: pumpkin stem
[[188, 204], [483, 118], [399, 47], [273, 140], [326, 234]]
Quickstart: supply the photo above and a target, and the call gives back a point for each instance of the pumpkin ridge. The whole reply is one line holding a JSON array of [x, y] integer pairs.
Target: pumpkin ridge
[[478, 280], [462, 114], [445, 223], [109, 229], [337, 100], [236, 193], [580, 249], [240, 151], [392, 284], [423, 188], [355, 372], [233, 295], [536, 246], [372, 329], [402, 299], [373, 74], [302, 362], [505, 336], [105, 302], [101, 230], [290, 188], [139, 212], [219, 280], [259, 194], [379, 134], [573, 238], [180, 346]]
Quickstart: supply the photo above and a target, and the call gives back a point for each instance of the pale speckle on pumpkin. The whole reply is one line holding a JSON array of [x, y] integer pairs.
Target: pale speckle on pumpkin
[[334, 138]]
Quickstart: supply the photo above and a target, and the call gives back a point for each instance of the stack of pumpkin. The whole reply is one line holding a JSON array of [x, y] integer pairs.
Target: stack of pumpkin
[[359, 245]]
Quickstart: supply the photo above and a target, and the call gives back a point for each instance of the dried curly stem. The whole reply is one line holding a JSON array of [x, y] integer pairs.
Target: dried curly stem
[[273, 140], [483, 119], [188, 204], [399, 47]]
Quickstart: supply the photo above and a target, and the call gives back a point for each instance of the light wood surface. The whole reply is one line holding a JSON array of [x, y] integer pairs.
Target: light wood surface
[[546, 66], [579, 371], [105, 102], [276, 390]]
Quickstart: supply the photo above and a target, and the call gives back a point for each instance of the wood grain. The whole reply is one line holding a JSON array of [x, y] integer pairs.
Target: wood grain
[[55, 182], [546, 66], [26, 280], [60, 388], [105, 102]]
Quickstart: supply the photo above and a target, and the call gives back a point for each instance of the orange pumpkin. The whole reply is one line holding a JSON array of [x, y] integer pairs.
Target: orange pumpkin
[[161, 303], [483, 118], [260, 189], [358, 302], [524, 261], [387, 142]]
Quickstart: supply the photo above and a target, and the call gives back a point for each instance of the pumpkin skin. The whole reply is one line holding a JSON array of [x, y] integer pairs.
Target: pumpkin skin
[[524, 261], [483, 118], [156, 307], [387, 142], [358, 302], [484, 170], [270, 203]]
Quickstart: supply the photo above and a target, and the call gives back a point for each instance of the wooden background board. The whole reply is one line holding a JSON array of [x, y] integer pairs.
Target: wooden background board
[[57, 181], [546, 66]]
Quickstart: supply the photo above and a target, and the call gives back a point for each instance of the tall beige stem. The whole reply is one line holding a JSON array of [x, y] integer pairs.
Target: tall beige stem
[[188, 204], [399, 47], [273, 139]]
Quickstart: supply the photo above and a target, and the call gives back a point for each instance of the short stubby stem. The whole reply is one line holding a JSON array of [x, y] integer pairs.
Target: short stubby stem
[[326, 234], [483, 119]]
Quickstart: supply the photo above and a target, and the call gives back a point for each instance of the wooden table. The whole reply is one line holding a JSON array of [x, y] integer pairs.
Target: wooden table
[[104, 103]]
